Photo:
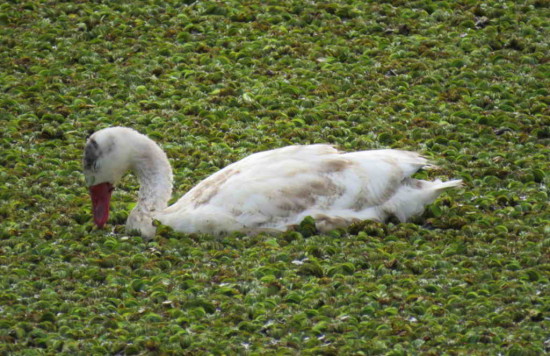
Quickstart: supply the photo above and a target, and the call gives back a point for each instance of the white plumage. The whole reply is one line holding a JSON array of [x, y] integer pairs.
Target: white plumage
[[266, 191]]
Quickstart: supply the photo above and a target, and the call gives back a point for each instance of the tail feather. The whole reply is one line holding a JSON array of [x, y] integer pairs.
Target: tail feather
[[446, 185], [411, 199]]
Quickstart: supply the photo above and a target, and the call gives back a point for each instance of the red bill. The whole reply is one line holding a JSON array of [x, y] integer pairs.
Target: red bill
[[101, 197]]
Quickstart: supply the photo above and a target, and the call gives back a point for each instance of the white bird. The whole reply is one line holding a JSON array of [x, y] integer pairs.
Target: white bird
[[266, 191]]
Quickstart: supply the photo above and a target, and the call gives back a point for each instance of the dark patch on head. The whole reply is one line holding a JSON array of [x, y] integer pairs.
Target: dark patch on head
[[91, 153]]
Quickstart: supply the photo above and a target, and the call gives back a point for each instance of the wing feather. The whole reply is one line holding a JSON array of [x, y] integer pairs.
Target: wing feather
[[285, 182]]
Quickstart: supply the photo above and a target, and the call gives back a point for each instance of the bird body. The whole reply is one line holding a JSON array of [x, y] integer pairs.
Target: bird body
[[266, 191]]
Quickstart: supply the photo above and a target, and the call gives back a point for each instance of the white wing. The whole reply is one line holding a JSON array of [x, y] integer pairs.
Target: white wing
[[278, 188]]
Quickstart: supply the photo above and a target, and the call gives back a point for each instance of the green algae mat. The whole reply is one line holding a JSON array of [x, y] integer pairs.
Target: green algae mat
[[463, 82]]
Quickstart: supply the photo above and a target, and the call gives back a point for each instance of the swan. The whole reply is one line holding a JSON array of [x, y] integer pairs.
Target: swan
[[266, 191]]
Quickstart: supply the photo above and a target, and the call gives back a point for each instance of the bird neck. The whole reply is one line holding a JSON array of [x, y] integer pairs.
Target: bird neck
[[155, 176]]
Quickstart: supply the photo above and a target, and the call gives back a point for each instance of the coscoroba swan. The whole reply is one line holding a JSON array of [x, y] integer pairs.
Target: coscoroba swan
[[266, 191]]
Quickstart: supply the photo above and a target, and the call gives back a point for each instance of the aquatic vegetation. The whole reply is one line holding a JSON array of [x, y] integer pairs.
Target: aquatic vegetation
[[462, 82]]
